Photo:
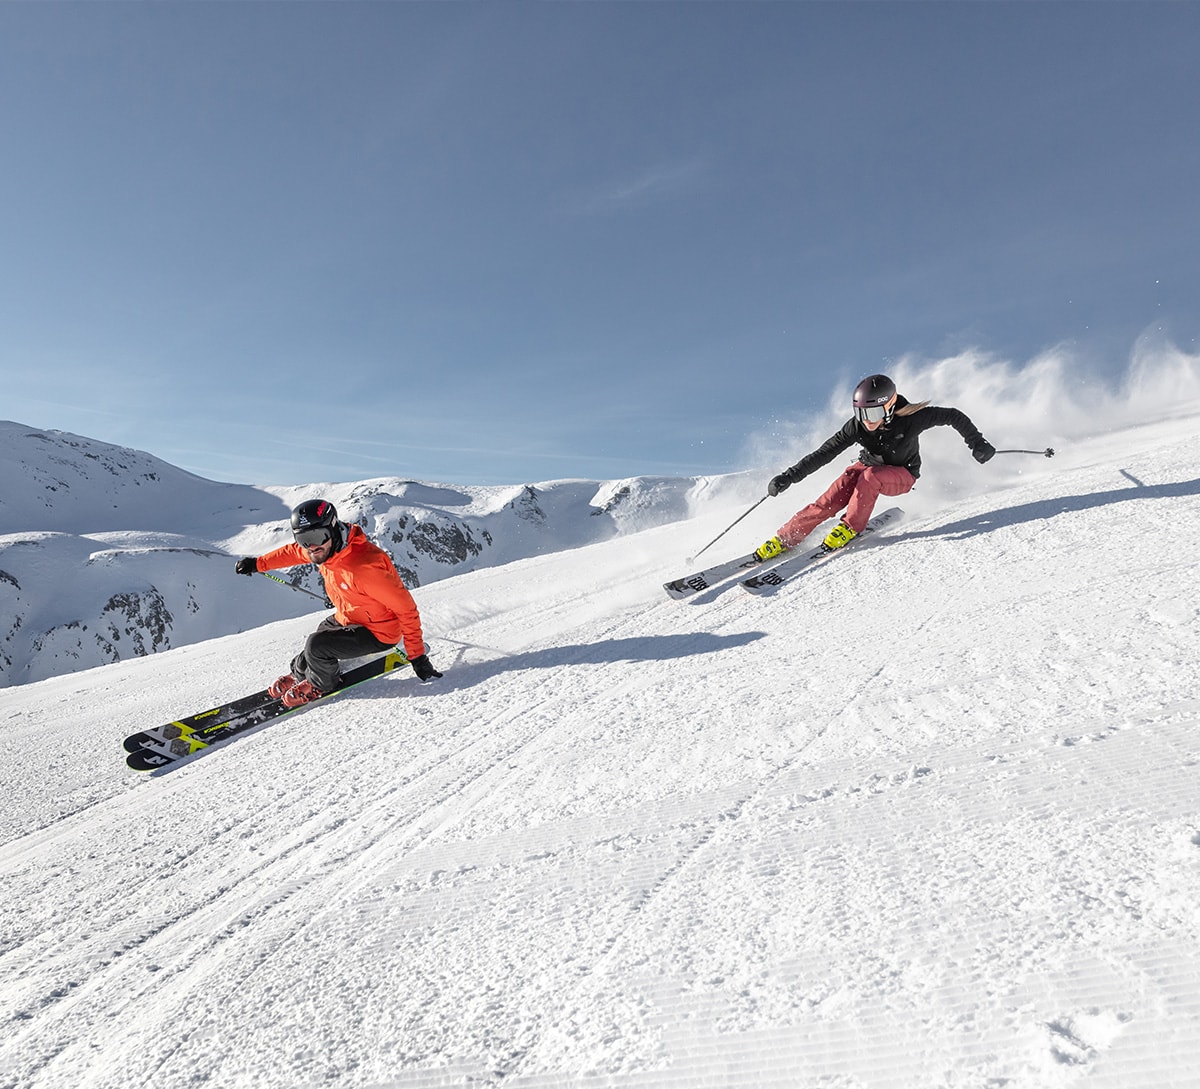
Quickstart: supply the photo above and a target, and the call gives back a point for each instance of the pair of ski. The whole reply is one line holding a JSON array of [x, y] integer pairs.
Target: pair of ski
[[150, 750], [769, 575]]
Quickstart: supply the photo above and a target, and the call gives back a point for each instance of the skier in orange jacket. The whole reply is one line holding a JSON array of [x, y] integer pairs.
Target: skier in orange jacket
[[373, 610]]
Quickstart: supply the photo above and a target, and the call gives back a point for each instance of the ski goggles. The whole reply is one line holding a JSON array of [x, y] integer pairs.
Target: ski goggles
[[312, 538], [872, 414]]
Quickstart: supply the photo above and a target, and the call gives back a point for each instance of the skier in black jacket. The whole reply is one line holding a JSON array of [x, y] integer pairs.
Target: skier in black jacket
[[888, 429]]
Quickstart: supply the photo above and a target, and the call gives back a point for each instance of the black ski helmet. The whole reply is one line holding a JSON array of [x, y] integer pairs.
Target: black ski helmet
[[315, 521], [875, 399]]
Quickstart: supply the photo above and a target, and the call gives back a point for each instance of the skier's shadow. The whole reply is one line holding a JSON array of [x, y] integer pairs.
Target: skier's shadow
[[616, 652], [1045, 509]]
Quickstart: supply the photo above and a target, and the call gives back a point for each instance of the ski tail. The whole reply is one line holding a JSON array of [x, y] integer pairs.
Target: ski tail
[[698, 581]]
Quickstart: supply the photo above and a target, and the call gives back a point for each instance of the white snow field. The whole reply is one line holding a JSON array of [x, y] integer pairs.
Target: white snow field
[[928, 817]]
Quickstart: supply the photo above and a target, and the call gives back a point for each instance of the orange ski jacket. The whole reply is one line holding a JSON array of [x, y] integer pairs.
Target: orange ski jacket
[[365, 588]]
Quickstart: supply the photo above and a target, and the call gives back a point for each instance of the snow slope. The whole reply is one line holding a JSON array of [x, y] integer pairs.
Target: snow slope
[[927, 818]]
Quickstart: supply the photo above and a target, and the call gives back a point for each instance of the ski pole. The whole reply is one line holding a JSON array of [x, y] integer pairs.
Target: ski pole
[[298, 589], [476, 646], [1047, 453], [691, 559]]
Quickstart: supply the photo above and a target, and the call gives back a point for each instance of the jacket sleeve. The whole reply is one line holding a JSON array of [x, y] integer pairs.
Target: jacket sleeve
[[825, 453], [961, 423], [288, 555], [382, 582]]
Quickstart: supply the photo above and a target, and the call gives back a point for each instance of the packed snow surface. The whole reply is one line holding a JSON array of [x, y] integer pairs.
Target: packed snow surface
[[928, 817]]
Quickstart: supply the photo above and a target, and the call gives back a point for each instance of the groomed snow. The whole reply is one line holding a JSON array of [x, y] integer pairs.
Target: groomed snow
[[928, 818]]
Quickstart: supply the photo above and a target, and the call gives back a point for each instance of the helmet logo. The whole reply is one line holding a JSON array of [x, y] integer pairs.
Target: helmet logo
[[314, 514], [312, 517]]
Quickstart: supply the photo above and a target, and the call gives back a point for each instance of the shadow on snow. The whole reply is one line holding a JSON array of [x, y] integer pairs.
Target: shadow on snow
[[1049, 508], [642, 648]]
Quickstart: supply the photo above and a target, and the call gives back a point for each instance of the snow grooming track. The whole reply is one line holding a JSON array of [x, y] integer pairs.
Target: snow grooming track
[[439, 794], [488, 762], [695, 835], [304, 901], [274, 896], [928, 820], [640, 907]]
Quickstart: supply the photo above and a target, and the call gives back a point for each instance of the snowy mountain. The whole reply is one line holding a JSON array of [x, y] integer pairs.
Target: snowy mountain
[[928, 817], [108, 553]]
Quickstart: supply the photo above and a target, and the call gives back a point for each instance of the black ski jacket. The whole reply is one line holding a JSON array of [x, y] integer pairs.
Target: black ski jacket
[[896, 443]]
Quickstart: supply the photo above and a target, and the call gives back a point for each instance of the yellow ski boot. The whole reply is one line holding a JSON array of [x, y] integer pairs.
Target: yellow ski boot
[[770, 549], [839, 536]]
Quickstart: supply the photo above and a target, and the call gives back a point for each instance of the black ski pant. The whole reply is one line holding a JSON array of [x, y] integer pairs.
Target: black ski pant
[[319, 661]]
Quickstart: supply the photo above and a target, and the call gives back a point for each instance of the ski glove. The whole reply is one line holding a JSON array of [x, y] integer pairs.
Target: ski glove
[[423, 668], [985, 451], [779, 483], [248, 566]]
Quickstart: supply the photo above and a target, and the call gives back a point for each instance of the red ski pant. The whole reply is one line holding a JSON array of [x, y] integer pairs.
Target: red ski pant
[[855, 490]]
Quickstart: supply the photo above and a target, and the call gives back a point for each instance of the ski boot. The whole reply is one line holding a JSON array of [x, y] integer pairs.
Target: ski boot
[[840, 536], [286, 683], [304, 692], [770, 549]]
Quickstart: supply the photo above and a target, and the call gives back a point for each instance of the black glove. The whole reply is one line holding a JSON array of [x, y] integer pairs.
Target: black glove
[[985, 451], [423, 668], [779, 483], [248, 566]]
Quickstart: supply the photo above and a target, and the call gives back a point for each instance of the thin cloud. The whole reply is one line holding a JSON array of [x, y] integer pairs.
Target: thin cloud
[[346, 449], [655, 183]]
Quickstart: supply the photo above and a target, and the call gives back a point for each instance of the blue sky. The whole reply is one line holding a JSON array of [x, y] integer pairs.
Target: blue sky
[[493, 243]]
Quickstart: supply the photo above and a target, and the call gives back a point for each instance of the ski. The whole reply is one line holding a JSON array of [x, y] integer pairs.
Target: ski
[[153, 749], [692, 584], [216, 716], [769, 581]]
